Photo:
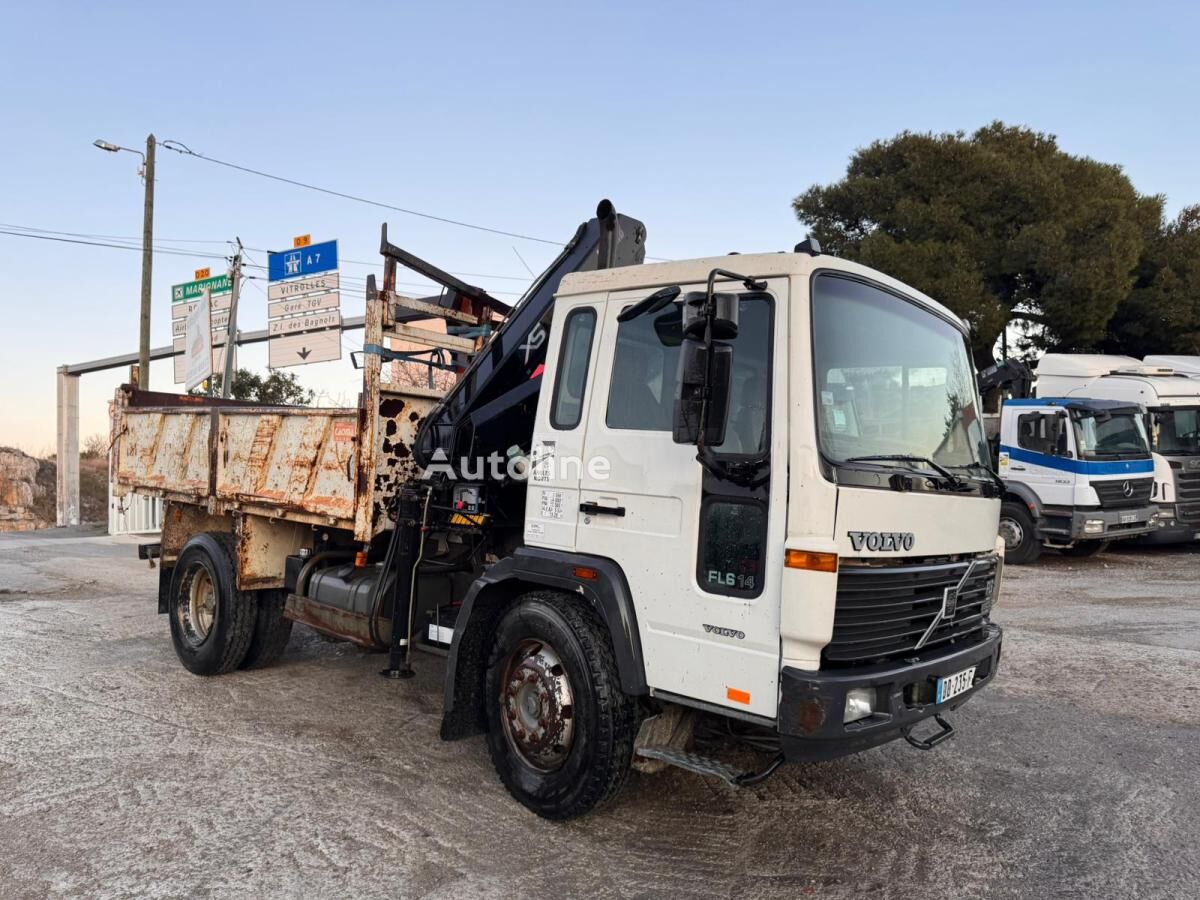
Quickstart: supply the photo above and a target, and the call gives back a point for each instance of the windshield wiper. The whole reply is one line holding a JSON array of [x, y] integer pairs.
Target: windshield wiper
[[955, 481], [984, 467]]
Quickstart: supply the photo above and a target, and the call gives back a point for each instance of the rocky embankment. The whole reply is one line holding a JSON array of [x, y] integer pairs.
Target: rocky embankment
[[26, 502]]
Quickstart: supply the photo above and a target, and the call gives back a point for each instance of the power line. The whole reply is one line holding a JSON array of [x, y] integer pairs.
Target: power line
[[186, 151], [167, 251]]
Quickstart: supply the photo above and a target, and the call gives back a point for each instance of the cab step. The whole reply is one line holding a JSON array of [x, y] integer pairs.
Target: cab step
[[704, 765]]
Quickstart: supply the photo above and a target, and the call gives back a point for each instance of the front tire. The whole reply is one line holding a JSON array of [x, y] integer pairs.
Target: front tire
[[1021, 543], [212, 622], [560, 729]]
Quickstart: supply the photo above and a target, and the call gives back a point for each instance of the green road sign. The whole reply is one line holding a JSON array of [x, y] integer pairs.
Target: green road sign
[[190, 290]]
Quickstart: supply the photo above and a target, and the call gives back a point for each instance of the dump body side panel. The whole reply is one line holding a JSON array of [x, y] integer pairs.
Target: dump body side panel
[[290, 460]]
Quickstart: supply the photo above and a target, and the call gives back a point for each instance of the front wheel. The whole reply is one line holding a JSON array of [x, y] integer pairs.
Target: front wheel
[[1021, 543], [560, 729]]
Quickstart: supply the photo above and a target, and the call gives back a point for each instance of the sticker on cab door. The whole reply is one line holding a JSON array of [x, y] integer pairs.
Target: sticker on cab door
[[552, 504], [1004, 462]]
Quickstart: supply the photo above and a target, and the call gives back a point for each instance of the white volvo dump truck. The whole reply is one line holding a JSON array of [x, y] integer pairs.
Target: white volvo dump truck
[[656, 495], [1170, 400]]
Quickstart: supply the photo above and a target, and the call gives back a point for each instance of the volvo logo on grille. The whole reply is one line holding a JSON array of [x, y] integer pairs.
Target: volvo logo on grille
[[949, 602], [1127, 489], [881, 540]]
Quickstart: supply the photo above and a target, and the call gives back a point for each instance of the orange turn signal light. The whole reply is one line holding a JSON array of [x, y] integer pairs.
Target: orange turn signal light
[[812, 560], [360, 560]]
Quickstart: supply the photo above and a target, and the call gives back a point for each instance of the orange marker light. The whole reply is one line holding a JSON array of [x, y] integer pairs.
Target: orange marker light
[[585, 573], [738, 696], [360, 560], [811, 560]]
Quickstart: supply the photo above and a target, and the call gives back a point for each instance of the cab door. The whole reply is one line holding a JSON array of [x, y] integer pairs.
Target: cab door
[[702, 555], [1043, 456]]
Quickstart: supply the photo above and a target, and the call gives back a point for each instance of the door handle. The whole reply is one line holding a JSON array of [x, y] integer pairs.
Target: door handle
[[595, 509], [1017, 468]]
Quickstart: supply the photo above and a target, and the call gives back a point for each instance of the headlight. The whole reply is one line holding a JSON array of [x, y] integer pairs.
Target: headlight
[[1093, 526], [860, 703]]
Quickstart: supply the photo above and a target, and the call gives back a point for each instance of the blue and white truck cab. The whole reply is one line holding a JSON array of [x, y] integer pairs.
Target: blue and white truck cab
[[1077, 473], [1170, 396]]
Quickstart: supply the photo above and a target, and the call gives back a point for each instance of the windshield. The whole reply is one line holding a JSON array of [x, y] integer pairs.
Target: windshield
[[1107, 436], [1176, 432], [892, 379]]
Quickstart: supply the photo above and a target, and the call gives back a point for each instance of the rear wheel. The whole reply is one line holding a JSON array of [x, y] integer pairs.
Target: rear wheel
[[560, 729], [271, 631], [212, 622], [1084, 548], [1021, 543]]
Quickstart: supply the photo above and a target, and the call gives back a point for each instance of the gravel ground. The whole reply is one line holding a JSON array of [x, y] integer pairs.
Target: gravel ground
[[121, 775]]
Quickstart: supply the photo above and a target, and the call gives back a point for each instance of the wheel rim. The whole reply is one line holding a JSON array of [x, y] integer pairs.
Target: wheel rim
[[198, 606], [537, 705], [1012, 532]]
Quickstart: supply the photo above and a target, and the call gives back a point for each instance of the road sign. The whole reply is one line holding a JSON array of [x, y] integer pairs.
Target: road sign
[[310, 304], [301, 349], [183, 310], [301, 240], [193, 290], [201, 274], [220, 324], [300, 262], [198, 345], [284, 289], [295, 324]]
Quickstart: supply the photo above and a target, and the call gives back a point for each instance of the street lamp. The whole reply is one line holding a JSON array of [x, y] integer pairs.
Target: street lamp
[[147, 174]]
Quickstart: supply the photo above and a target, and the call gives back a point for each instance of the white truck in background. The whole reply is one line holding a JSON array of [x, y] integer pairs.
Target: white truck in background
[[1171, 400], [1077, 474]]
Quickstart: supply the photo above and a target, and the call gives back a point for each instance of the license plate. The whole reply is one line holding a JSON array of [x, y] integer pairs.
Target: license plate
[[953, 685], [1128, 518]]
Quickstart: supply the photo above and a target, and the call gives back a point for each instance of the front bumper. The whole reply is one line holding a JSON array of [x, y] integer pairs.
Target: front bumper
[[1169, 530], [1117, 523], [812, 704]]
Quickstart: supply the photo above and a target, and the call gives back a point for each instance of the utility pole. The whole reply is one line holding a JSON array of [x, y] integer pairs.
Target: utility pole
[[147, 263], [235, 282]]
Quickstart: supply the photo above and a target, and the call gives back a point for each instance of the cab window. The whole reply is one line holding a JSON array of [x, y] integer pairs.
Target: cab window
[[570, 382]]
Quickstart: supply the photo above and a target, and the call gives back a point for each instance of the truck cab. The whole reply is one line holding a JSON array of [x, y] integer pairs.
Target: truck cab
[[826, 566], [1078, 473], [1171, 400]]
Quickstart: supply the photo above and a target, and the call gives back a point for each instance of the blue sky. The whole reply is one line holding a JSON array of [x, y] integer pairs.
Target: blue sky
[[702, 119]]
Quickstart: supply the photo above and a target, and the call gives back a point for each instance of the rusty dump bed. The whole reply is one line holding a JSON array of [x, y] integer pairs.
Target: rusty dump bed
[[295, 464]]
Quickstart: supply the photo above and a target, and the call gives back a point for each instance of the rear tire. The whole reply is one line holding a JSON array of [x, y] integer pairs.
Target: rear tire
[[1021, 543], [212, 622], [560, 729], [1082, 549], [271, 631]]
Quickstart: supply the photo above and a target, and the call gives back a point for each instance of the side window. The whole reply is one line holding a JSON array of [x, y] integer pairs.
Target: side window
[[645, 373], [570, 381], [733, 540], [1041, 433]]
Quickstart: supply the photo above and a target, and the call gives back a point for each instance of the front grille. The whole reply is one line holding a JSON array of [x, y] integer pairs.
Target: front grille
[[1187, 508], [1112, 493], [882, 611]]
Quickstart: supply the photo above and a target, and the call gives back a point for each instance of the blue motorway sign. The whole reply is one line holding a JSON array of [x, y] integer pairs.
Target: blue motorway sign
[[302, 261]]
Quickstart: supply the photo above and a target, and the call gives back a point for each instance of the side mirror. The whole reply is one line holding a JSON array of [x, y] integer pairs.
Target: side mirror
[[695, 377]]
